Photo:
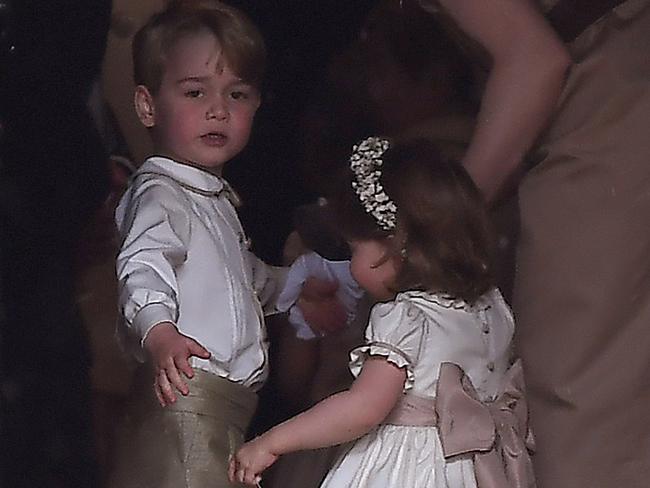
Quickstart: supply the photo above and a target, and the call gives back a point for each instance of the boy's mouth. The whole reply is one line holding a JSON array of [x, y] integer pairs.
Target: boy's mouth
[[216, 139]]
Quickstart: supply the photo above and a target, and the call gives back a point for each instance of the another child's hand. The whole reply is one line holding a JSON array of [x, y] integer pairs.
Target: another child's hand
[[249, 462], [170, 352], [320, 307]]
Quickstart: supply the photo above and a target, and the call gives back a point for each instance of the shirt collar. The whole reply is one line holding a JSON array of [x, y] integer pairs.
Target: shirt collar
[[191, 178]]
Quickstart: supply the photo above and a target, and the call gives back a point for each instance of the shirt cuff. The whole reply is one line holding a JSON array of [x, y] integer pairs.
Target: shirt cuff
[[149, 316]]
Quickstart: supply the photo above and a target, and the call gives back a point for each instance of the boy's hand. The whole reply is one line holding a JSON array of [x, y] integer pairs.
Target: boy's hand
[[251, 459], [320, 307], [170, 351]]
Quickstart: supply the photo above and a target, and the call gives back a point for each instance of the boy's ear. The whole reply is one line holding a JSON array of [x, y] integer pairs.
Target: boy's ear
[[144, 106]]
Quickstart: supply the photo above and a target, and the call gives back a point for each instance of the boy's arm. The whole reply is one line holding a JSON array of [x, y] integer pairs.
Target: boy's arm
[[340, 418], [155, 230], [296, 276], [268, 283]]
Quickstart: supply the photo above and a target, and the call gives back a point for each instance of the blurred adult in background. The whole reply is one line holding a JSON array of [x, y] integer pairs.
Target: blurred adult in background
[[582, 290], [53, 176], [382, 83]]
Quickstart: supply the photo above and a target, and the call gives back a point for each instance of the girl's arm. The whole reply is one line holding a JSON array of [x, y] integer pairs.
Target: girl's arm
[[529, 63], [340, 418]]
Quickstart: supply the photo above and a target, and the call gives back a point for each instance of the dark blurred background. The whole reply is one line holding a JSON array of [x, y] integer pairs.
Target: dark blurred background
[[302, 38]]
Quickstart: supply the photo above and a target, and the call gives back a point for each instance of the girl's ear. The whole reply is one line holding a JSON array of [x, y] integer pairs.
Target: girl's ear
[[144, 106]]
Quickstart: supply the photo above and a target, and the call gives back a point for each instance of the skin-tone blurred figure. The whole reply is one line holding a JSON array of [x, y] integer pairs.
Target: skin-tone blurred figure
[[96, 295], [117, 82]]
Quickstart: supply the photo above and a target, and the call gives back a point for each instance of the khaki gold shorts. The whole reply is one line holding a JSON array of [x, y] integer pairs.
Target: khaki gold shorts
[[184, 445]]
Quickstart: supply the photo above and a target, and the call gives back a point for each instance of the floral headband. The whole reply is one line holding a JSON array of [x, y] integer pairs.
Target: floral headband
[[365, 163]]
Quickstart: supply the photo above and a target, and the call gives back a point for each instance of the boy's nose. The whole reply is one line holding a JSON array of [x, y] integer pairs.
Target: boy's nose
[[217, 109]]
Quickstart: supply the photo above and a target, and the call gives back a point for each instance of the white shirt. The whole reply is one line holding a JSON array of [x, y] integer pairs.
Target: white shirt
[[312, 264], [184, 258]]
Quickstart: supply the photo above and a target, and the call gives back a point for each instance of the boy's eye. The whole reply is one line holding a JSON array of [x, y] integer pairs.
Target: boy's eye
[[239, 95], [193, 93]]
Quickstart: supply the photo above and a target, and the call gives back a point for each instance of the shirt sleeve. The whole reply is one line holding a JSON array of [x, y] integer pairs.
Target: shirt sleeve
[[156, 232], [395, 332], [268, 282], [293, 285]]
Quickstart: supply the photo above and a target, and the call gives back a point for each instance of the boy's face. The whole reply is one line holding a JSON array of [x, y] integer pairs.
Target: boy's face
[[203, 112]]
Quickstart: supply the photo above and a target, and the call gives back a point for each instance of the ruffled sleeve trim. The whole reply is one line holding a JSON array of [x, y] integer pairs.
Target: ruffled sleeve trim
[[443, 300], [388, 351]]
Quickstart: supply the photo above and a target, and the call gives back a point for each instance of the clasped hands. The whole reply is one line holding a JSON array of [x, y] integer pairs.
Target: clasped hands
[[250, 460]]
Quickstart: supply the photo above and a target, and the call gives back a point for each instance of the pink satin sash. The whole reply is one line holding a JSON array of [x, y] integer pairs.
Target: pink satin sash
[[496, 433], [413, 410]]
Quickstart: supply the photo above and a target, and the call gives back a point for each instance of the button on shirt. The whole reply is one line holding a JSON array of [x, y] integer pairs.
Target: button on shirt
[[184, 259]]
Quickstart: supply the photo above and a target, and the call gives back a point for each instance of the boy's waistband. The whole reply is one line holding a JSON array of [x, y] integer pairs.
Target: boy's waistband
[[209, 395]]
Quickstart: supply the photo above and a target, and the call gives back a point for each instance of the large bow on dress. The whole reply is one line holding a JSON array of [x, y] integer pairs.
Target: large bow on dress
[[496, 433]]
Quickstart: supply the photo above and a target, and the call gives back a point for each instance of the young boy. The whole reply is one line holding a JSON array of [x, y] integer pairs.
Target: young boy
[[191, 293]]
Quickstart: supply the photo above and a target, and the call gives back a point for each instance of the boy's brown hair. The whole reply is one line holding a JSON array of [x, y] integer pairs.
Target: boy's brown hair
[[242, 43], [442, 238]]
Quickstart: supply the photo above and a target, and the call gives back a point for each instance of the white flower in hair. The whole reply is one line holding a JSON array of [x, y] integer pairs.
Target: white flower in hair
[[365, 163]]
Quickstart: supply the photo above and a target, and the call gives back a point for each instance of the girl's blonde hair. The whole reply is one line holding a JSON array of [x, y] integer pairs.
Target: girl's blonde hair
[[442, 236]]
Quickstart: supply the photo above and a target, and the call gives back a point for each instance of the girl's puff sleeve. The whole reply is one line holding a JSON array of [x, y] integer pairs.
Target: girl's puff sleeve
[[395, 331], [155, 231]]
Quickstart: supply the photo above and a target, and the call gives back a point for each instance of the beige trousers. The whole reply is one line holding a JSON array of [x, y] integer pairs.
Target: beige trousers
[[184, 445]]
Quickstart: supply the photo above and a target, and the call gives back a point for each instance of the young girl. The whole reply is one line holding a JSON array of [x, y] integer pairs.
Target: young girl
[[436, 402]]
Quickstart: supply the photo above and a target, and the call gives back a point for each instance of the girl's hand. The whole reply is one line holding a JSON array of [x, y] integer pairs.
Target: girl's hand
[[251, 459]]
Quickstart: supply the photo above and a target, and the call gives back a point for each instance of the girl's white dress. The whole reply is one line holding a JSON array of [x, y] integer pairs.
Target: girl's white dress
[[419, 331]]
